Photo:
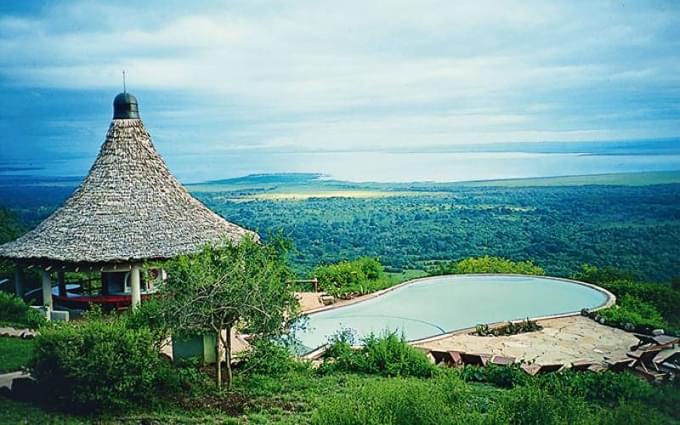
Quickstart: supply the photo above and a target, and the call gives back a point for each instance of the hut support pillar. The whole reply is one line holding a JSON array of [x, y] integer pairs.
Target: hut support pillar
[[19, 281], [135, 286], [47, 291]]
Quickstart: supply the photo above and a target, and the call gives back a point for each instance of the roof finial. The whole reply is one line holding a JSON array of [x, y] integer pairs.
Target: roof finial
[[124, 89]]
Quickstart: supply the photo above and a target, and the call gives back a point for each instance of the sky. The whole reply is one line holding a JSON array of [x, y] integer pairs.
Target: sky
[[263, 77]]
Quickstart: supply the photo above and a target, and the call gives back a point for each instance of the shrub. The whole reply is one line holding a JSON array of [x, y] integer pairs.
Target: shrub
[[150, 314], [349, 278], [96, 364], [388, 355], [488, 264], [630, 309], [14, 311], [268, 357]]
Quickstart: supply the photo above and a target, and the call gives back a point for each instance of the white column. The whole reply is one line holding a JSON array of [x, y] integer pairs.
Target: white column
[[135, 286], [47, 291]]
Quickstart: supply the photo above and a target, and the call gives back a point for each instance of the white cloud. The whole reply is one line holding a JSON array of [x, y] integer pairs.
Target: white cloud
[[355, 74]]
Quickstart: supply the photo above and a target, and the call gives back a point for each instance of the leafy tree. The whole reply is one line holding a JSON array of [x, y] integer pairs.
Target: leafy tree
[[235, 285]]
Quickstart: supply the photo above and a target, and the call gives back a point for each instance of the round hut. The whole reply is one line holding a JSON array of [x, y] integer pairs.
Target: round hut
[[129, 210]]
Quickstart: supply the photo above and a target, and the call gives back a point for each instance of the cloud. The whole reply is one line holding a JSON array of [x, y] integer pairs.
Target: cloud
[[345, 75]]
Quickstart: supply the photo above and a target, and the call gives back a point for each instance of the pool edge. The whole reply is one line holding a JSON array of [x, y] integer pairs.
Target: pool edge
[[611, 300]]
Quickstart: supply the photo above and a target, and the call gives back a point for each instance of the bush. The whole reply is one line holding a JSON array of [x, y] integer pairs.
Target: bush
[[150, 315], [350, 278], [665, 298], [487, 264], [97, 364], [630, 309], [388, 355], [268, 357], [14, 311]]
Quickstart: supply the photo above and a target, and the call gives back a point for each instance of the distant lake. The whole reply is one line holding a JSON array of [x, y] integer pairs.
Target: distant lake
[[380, 166]]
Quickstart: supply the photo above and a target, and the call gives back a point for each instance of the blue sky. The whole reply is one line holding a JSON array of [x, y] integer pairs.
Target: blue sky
[[309, 76]]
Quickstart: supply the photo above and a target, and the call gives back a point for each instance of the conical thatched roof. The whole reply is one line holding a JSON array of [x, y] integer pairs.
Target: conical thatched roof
[[129, 208]]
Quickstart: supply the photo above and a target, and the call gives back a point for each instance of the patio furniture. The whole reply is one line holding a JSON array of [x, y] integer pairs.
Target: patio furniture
[[665, 341], [619, 365], [447, 358], [645, 359]]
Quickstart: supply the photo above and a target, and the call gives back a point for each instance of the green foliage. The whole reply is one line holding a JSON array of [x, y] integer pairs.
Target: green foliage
[[350, 278], [663, 298], [487, 264], [268, 357], [630, 309], [152, 315], [500, 376], [607, 388], [512, 328], [602, 275], [15, 353], [388, 355], [96, 364], [15, 312], [395, 402]]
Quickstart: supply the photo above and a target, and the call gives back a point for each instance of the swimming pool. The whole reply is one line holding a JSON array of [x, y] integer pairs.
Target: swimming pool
[[436, 305]]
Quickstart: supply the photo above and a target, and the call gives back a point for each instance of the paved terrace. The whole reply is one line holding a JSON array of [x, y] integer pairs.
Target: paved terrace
[[562, 340]]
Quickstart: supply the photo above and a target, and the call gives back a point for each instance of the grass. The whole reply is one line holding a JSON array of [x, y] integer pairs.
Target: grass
[[14, 353], [304, 397]]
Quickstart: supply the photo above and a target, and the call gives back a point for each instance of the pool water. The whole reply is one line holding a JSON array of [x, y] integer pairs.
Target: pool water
[[436, 305]]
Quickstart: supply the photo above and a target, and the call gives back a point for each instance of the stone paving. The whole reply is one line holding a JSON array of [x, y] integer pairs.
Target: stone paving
[[562, 340]]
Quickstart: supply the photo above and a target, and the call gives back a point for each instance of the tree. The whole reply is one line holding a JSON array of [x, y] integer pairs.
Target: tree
[[241, 285]]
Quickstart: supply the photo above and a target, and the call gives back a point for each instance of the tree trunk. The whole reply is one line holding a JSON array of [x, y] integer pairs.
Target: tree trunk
[[227, 355], [218, 361]]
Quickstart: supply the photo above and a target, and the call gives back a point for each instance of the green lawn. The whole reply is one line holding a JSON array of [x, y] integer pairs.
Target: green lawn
[[14, 353]]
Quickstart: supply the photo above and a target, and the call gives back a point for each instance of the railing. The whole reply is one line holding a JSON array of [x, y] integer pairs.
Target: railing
[[2, 282]]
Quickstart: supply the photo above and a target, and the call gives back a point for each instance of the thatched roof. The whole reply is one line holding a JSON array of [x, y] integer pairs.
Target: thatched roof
[[129, 208]]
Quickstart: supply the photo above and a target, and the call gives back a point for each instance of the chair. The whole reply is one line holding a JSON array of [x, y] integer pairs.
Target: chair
[[448, 358], [662, 341], [645, 359], [619, 365]]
